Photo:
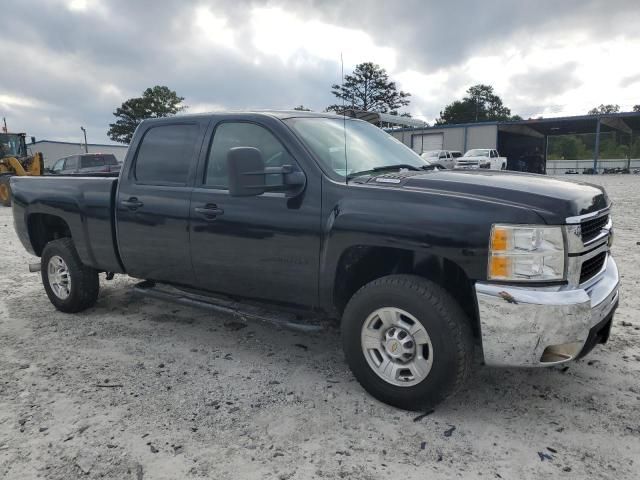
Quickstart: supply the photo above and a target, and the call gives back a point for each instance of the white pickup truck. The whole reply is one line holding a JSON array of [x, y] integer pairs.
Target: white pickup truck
[[481, 158]]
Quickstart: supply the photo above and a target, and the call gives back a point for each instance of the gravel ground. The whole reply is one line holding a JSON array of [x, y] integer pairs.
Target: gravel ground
[[135, 389]]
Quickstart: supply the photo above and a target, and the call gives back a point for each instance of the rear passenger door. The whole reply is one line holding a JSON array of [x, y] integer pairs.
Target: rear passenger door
[[153, 201]]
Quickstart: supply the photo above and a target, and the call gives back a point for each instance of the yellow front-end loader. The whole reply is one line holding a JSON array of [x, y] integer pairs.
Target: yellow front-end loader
[[15, 160]]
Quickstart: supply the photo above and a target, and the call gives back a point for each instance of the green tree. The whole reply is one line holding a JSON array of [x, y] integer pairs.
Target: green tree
[[568, 147], [635, 149], [636, 108], [480, 104], [158, 101], [368, 88], [458, 111], [610, 108]]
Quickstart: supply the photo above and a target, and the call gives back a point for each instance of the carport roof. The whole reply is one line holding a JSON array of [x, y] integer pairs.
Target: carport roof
[[624, 122], [376, 117]]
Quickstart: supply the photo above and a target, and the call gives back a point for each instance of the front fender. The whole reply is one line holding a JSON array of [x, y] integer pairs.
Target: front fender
[[431, 224]]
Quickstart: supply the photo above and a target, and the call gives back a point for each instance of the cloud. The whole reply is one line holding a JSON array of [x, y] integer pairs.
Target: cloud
[[542, 83], [630, 80], [78, 60]]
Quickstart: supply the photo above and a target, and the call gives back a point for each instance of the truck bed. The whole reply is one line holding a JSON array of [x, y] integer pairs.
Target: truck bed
[[84, 203]]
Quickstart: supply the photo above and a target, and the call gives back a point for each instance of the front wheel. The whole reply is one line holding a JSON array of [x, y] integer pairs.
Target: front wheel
[[407, 341], [70, 285]]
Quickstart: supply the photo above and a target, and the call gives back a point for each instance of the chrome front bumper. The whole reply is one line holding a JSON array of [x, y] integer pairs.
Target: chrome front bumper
[[524, 326]]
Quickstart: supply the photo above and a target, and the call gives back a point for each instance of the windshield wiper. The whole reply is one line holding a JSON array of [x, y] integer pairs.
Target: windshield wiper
[[384, 168]]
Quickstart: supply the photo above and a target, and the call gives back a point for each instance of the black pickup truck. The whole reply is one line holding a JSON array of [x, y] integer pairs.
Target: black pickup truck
[[334, 217]]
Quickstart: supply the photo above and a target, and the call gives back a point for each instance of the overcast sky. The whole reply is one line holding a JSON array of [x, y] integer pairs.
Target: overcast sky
[[67, 63]]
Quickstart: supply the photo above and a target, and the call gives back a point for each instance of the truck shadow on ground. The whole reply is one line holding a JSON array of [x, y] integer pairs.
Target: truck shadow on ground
[[196, 338], [511, 391]]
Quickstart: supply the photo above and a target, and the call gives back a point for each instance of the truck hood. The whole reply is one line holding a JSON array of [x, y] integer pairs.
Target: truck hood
[[553, 199]]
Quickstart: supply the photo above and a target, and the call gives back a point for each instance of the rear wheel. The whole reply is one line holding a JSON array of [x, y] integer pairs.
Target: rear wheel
[[5, 190], [70, 285], [407, 341]]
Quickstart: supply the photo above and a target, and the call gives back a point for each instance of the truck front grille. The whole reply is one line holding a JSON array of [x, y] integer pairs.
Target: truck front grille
[[591, 228], [466, 164], [592, 266]]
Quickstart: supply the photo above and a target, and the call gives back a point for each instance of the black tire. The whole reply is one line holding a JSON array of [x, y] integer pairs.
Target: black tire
[[5, 190], [442, 318], [84, 284]]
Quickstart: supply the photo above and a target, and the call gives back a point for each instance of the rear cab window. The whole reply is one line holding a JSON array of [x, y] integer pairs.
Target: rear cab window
[[89, 161], [165, 154]]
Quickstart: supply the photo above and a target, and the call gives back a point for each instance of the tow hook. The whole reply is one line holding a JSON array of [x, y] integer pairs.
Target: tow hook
[[34, 267]]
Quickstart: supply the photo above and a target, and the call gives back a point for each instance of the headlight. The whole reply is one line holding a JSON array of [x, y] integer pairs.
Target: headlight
[[523, 252]]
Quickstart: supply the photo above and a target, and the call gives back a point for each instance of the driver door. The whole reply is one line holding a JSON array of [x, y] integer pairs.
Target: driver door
[[265, 246], [494, 160], [442, 159]]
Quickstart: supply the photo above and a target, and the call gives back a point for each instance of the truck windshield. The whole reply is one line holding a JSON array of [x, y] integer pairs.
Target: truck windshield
[[477, 152], [367, 147], [431, 153]]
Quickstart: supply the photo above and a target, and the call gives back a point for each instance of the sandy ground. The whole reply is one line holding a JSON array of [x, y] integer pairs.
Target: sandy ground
[[193, 395]]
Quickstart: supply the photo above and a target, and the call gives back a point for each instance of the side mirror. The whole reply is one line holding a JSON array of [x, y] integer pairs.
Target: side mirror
[[248, 175], [246, 172]]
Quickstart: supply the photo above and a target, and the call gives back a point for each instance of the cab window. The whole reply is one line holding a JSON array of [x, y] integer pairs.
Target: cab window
[[241, 134], [71, 163], [90, 161], [165, 154]]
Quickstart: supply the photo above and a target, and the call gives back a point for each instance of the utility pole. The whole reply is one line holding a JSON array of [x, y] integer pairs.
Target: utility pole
[[629, 152], [86, 147], [4, 125], [596, 150]]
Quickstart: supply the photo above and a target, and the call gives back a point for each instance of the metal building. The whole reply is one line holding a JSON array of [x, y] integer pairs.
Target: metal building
[[449, 137], [525, 142], [53, 150]]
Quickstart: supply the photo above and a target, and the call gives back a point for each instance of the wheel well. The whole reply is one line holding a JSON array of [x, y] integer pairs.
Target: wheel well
[[360, 265], [44, 228]]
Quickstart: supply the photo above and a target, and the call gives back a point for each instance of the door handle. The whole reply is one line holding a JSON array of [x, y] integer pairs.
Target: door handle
[[132, 204], [209, 211]]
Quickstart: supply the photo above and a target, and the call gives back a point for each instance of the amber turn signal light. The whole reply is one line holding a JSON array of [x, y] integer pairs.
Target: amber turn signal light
[[499, 239]]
